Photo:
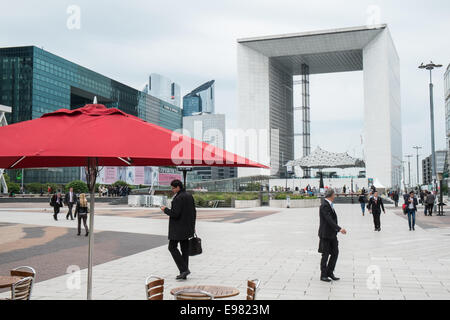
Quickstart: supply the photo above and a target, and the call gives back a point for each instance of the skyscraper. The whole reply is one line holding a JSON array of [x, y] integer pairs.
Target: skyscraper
[[209, 128], [163, 88], [201, 99]]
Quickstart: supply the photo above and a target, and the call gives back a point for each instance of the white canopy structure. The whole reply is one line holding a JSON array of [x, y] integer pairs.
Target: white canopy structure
[[378, 184], [321, 159]]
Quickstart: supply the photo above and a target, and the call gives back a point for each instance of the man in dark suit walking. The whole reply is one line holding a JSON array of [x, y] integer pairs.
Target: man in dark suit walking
[[181, 226], [375, 206], [328, 230], [70, 200], [56, 202]]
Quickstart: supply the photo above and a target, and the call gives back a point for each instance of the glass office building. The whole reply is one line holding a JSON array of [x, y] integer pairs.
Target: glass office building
[[34, 82], [200, 99]]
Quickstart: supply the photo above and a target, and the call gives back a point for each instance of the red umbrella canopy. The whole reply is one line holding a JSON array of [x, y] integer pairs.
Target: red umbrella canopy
[[66, 138]]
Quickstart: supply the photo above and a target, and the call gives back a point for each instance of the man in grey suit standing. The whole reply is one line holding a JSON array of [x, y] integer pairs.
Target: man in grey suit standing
[[328, 244]]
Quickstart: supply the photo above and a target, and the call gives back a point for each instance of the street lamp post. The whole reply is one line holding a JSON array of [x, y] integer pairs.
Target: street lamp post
[[417, 161], [430, 68], [409, 169]]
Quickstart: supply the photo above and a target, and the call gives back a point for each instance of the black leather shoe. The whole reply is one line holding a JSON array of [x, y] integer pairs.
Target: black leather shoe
[[183, 275], [332, 277], [325, 279]]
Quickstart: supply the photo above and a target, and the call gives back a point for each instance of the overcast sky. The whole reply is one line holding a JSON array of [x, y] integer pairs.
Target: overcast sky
[[194, 41]]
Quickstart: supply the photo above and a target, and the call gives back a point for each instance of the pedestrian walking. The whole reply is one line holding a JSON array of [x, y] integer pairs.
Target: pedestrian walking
[[424, 203], [422, 196], [328, 242], [57, 203], [181, 226], [362, 201], [396, 197], [375, 206], [70, 200], [411, 209], [81, 210], [430, 203]]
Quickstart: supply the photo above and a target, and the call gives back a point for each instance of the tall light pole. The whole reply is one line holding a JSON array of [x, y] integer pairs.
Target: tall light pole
[[409, 169], [417, 160], [430, 67], [404, 177]]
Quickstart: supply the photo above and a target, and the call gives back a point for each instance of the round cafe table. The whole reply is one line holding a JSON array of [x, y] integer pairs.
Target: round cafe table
[[8, 281], [218, 292]]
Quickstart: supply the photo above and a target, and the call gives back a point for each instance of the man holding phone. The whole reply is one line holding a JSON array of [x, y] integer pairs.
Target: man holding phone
[[181, 226]]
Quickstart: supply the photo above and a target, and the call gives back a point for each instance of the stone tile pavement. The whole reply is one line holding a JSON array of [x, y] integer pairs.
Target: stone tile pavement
[[280, 250]]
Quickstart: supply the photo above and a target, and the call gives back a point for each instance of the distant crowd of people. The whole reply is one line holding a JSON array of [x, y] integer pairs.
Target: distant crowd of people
[[70, 199], [77, 204], [113, 191], [375, 205]]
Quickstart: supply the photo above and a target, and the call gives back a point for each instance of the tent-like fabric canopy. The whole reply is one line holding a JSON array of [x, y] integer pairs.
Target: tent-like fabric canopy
[[321, 159], [66, 138]]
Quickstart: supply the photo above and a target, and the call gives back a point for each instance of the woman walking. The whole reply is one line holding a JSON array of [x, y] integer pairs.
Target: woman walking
[[81, 211], [362, 201]]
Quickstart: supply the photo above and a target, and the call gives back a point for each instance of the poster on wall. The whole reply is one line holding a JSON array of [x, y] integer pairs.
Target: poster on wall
[[151, 176], [136, 175], [166, 178], [121, 174], [130, 175], [110, 175]]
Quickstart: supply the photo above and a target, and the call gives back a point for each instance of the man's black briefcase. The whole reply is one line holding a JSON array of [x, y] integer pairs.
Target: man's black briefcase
[[195, 246]]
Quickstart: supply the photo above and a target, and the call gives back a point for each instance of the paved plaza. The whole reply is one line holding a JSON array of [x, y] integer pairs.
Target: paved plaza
[[277, 246]]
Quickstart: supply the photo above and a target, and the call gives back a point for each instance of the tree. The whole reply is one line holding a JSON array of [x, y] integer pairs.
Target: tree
[[120, 183], [78, 186]]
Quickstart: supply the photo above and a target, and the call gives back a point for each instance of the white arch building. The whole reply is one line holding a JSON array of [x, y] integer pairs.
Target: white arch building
[[266, 66]]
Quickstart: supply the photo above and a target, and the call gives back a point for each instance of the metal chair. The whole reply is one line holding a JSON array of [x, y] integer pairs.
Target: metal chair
[[185, 294], [24, 271], [154, 290], [252, 287], [21, 290]]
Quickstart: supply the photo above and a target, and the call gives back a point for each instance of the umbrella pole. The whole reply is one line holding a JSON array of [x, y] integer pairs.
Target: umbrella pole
[[91, 175], [91, 245]]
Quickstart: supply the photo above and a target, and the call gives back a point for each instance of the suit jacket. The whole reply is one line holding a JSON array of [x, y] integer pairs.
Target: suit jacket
[[54, 201], [415, 202], [329, 227], [67, 198], [376, 207], [182, 216]]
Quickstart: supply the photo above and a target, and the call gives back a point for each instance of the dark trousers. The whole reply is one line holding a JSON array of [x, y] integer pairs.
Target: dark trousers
[[376, 220], [430, 209], [181, 259], [411, 217], [55, 211], [70, 205], [330, 255], [84, 218]]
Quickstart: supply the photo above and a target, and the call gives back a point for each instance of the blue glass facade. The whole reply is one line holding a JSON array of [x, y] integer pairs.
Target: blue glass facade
[[191, 105], [200, 99], [34, 82]]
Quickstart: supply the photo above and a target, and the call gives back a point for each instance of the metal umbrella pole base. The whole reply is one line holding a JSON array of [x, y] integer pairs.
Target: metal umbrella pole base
[[91, 177]]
